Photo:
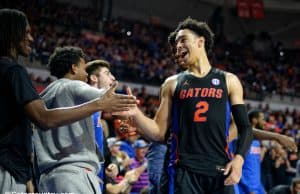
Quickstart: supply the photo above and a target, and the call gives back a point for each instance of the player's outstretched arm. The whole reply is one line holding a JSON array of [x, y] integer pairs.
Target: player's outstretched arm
[[155, 129], [284, 140], [51, 118]]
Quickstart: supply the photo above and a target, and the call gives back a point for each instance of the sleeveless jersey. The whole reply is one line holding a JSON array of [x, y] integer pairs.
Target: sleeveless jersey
[[200, 123]]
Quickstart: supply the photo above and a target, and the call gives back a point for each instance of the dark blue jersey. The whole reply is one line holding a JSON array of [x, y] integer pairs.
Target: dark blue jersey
[[200, 122]]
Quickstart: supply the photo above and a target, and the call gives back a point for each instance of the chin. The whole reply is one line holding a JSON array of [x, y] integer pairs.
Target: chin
[[184, 65], [25, 53]]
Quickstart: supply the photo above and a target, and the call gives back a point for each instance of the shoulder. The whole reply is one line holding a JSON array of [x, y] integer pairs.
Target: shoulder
[[77, 85], [6, 62], [16, 69], [232, 79], [171, 79], [170, 84], [219, 71]]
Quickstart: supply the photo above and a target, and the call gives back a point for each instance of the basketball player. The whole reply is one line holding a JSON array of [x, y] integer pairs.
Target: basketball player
[[196, 106]]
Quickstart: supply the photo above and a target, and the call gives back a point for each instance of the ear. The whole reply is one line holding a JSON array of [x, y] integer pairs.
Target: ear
[[254, 120], [201, 41], [74, 68], [93, 79]]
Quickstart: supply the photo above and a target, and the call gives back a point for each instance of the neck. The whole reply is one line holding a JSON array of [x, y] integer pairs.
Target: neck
[[69, 76], [140, 159], [94, 85], [201, 67]]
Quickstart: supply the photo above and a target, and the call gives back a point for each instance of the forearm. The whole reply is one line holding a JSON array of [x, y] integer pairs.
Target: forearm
[[121, 187], [51, 118], [147, 127], [245, 134], [264, 135]]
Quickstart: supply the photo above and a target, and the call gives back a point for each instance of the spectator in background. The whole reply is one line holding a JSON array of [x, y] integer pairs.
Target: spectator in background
[[141, 148], [127, 139], [293, 188], [155, 156], [118, 157], [124, 186]]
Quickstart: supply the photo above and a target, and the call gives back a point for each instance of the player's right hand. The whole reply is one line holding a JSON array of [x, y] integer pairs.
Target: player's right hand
[[112, 102]]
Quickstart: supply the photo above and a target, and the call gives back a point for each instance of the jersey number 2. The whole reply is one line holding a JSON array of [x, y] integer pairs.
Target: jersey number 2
[[202, 107]]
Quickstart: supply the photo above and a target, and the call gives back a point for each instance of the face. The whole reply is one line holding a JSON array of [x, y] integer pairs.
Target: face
[[140, 153], [114, 149], [261, 121], [105, 78], [296, 188], [24, 48], [186, 47], [80, 71]]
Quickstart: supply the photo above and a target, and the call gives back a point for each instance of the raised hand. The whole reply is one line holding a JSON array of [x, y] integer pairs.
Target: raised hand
[[112, 170], [131, 110], [132, 176], [112, 102], [287, 142]]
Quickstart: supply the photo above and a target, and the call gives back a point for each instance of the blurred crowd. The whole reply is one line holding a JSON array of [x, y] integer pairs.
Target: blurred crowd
[[139, 53]]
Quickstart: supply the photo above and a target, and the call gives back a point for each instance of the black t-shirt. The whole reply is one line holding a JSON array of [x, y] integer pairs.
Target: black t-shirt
[[201, 115], [16, 90]]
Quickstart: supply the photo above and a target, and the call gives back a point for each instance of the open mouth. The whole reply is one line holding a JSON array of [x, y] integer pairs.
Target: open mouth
[[183, 54], [181, 57]]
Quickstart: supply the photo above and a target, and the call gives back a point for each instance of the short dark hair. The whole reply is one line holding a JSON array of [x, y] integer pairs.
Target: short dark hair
[[61, 61], [253, 114], [93, 67], [295, 181], [199, 28], [13, 30]]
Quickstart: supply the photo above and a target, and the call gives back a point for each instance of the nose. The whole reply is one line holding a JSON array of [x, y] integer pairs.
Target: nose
[[30, 38], [177, 49], [113, 78]]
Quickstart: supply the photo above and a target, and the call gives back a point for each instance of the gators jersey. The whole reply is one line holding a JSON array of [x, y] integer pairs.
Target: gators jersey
[[200, 122]]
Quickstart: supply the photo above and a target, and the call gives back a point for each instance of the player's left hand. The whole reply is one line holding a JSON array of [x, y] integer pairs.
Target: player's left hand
[[234, 170], [287, 142]]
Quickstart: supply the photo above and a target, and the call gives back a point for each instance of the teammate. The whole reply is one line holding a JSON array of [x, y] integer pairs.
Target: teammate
[[251, 174], [20, 104], [99, 76], [68, 154], [196, 105]]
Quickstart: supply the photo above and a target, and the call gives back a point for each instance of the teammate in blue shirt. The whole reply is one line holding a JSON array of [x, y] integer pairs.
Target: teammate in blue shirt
[[251, 174]]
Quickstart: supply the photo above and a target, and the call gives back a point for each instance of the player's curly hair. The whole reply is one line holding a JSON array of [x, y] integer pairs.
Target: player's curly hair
[[61, 61], [199, 28]]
